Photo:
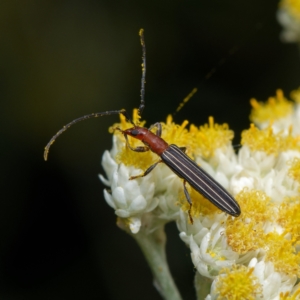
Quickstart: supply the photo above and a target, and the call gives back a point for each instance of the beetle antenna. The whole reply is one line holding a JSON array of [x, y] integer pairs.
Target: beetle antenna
[[185, 100], [143, 80], [125, 114], [94, 115], [111, 112], [208, 75]]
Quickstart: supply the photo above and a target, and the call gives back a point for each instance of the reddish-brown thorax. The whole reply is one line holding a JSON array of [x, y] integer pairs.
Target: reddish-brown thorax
[[154, 142]]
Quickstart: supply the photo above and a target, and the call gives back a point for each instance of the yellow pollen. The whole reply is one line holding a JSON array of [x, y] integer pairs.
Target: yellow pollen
[[246, 232], [276, 107], [289, 142], [140, 160], [295, 95], [292, 6], [289, 296], [289, 219], [136, 117], [210, 137], [282, 254], [171, 133], [215, 255], [243, 236], [239, 283], [262, 140], [177, 134], [294, 170], [211, 122], [280, 95], [169, 119], [182, 127], [201, 206], [254, 103]]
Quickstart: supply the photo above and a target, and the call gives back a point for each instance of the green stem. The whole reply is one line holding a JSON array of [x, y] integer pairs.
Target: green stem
[[153, 245], [202, 286]]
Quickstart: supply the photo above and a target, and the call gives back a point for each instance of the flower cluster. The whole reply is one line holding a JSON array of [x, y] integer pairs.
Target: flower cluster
[[289, 17], [253, 256]]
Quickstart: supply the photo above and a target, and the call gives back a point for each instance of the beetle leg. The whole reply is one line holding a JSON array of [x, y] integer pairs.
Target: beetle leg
[[147, 171], [137, 149], [188, 198], [159, 129]]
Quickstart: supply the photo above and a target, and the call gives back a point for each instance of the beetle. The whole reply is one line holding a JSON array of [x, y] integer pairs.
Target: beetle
[[173, 156]]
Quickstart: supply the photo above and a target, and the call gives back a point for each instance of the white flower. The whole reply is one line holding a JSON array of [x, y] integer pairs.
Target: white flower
[[288, 16], [273, 283], [260, 246], [260, 178], [208, 244], [133, 199], [260, 280], [221, 166], [167, 188], [129, 198]]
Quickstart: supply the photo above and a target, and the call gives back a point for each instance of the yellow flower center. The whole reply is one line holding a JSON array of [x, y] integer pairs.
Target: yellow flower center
[[237, 284], [289, 218], [294, 170], [210, 137], [261, 140], [275, 108], [140, 160], [201, 206], [293, 6], [282, 254], [246, 233], [295, 95], [177, 134], [290, 142]]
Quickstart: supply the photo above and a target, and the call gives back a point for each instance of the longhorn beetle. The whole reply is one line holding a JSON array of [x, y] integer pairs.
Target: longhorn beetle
[[173, 156]]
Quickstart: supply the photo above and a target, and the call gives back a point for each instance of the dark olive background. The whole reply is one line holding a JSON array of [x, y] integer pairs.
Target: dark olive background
[[63, 59]]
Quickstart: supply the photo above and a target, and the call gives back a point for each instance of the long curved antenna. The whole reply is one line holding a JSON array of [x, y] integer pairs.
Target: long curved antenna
[[94, 115], [110, 112], [143, 80], [185, 100]]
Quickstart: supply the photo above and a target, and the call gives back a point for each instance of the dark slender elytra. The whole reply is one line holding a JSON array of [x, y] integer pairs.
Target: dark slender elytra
[[203, 183], [173, 156]]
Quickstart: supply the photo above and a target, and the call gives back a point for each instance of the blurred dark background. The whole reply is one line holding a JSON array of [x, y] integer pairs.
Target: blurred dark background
[[63, 59]]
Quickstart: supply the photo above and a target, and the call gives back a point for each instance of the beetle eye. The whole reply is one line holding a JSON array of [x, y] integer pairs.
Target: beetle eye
[[134, 132]]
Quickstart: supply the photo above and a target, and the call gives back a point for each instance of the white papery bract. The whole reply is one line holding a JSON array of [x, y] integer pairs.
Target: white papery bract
[[209, 249], [264, 283], [156, 193], [260, 248], [261, 179], [272, 282]]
